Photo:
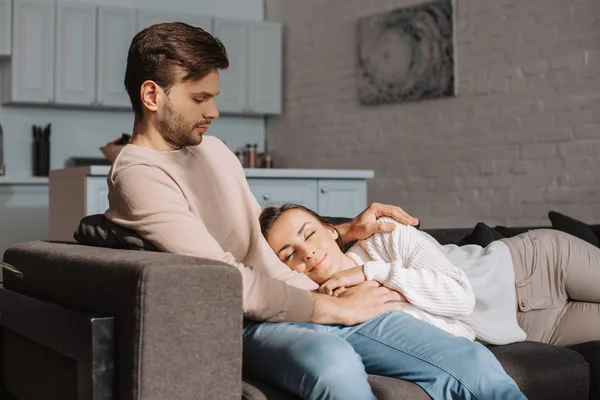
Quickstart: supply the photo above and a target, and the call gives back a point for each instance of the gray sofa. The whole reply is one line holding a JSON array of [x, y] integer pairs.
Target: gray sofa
[[177, 331]]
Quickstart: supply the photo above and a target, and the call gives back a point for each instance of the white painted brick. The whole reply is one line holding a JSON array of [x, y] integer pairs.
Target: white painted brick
[[574, 118], [518, 137], [555, 134], [445, 209], [538, 150], [562, 195], [527, 196], [582, 164], [499, 196], [567, 61], [520, 108], [469, 196], [587, 131], [535, 66], [578, 148]]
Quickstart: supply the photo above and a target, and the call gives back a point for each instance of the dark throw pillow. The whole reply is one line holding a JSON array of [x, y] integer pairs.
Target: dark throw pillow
[[96, 230], [481, 235], [574, 227], [509, 232]]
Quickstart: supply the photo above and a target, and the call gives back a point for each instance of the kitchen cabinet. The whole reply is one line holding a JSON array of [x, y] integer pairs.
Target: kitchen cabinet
[[83, 64], [278, 191], [146, 18], [29, 77], [253, 82], [341, 198], [80, 191], [5, 27], [265, 43], [116, 28], [75, 54]]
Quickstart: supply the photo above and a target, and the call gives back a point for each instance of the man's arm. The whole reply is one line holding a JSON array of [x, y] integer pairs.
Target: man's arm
[[356, 305], [145, 199], [365, 224]]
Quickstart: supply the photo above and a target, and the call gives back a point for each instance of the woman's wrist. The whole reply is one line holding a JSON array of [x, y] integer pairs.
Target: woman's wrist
[[344, 232]]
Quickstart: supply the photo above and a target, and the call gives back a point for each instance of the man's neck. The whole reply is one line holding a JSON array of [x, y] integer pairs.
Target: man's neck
[[145, 135]]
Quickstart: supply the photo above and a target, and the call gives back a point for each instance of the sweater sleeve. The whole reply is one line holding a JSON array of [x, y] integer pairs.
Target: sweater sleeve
[[417, 268], [156, 209]]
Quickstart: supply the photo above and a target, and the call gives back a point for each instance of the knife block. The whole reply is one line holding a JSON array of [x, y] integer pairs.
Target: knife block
[[41, 155]]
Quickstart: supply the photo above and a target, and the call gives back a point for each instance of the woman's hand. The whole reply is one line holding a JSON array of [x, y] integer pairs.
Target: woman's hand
[[365, 224], [339, 281]]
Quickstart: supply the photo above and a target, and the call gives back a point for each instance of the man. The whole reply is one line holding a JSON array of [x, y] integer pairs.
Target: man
[[187, 194]]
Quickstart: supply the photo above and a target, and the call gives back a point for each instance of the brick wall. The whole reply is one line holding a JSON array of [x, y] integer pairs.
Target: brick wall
[[521, 138]]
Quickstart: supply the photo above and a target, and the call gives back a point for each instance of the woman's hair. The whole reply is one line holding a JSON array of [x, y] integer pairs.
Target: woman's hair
[[269, 215]]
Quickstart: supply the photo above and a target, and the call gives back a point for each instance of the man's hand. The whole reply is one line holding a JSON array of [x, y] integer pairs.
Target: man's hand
[[365, 224], [343, 279], [355, 305]]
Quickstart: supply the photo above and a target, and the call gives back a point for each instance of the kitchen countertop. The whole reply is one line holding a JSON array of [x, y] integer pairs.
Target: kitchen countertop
[[288, 173], [23, 180]]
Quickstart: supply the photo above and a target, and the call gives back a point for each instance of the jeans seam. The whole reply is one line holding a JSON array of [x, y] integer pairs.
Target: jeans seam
[[421, 357]]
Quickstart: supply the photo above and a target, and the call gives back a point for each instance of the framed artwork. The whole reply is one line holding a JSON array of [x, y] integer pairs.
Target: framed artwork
[[407, 54]]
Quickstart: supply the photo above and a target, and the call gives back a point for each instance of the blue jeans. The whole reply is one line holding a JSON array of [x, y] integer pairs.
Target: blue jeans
[[332, 361]]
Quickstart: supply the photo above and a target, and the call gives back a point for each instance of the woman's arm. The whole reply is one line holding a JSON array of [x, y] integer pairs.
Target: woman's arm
[[407, 261]]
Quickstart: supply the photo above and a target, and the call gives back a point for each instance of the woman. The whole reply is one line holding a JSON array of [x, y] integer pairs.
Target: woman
[[543, 285]]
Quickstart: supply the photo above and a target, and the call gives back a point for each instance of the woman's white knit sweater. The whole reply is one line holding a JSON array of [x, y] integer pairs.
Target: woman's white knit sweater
[[468, 291]]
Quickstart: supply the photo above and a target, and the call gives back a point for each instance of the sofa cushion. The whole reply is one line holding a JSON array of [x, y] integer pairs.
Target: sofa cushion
[[591, 352], [544, 371], [574, 227], [482, 235], [541, 371], [384, 388], [96, 230]]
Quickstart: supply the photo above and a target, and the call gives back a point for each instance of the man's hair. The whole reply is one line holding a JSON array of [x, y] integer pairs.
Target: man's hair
[[269, 215], [158, 52]]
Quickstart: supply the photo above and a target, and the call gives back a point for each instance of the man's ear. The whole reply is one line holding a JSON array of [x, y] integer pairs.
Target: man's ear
[[151, 95]]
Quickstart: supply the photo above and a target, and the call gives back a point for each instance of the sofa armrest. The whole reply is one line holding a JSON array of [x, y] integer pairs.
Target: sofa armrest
[[178, 319]]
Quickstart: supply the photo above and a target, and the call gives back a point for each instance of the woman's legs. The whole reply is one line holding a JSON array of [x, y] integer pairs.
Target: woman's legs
[[558, 294], [304, 359], [328, 362], [447, 367]]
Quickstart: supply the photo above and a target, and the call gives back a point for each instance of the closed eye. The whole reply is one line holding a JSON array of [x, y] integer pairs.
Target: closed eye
[[198, 101], [288, 258], [309, 235]]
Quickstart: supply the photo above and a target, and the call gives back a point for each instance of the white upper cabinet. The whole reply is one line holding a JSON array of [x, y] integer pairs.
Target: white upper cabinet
[[116, 28], [29, 77], [252, 83], [233, 81], [341, 198], [146, 18], [75, 54], [5, 27], [265, 41]]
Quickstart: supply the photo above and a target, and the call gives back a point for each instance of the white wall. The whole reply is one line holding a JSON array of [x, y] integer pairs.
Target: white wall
[[23, 209], [521, 138]]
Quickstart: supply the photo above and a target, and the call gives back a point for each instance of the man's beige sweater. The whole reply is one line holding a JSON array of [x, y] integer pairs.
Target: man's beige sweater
[[196, 201]]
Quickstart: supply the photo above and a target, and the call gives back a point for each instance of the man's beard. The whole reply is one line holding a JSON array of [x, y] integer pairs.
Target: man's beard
[[174, 130]]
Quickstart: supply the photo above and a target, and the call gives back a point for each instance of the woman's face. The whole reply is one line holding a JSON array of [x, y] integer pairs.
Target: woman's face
[[306, 245]]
